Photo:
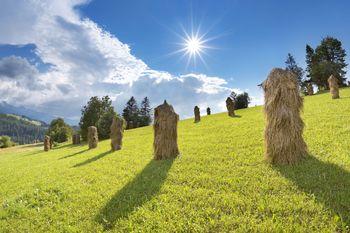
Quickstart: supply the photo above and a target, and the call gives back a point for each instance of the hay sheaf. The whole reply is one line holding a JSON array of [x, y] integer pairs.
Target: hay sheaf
[[208, 111], [165, 132], [230, 105], [76, 139], [117, 129], [92, 137], [197, 114], [47, 143], [334, 87], [284, 143], [310, 89]]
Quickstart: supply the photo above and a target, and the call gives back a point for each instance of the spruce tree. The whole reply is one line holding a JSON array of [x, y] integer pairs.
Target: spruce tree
[[292, 66], [326, 60], [145, 112], [131, 113]]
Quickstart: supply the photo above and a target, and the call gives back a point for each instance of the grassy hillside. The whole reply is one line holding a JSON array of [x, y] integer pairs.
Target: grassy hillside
[[220, 182]]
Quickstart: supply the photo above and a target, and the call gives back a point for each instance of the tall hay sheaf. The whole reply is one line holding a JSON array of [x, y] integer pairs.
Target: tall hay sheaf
[[117, 130], [92, 137], [333, 86], [284, 143], [47, 143], [230, 105], [197, 114], [165, 132]]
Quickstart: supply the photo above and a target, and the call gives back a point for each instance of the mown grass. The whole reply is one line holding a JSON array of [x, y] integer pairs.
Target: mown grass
[[219, 183]]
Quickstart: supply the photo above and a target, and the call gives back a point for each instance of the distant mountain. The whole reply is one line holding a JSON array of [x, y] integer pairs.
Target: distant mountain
[[21, 129], [6, 108]]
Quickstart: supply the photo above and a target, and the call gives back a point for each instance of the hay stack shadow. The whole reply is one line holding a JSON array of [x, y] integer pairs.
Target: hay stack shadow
[[328, 182], [93, 159], [141, 189]]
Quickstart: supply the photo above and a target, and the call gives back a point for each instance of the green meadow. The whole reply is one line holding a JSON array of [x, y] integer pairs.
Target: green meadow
[[220, 182]]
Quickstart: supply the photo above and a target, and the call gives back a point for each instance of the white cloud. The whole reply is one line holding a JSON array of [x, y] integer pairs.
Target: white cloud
[[86, 61]]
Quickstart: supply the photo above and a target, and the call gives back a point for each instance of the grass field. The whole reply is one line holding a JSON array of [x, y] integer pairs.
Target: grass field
[[219, 183]]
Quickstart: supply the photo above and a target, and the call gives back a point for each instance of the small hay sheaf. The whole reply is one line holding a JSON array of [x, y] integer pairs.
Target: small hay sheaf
[[47, 143], [284, 143], [197, 114], [208, 111], [310, 89], [165, 132], [117, 129], [76, 139], [230, 105], [92, 137], [334, 87]]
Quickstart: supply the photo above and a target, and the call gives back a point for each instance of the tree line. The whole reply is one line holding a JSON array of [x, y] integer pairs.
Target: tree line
[[327, 59], [99, 112], [20, 129]]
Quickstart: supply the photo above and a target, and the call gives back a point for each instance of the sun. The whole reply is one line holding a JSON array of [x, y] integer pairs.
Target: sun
[[193, 45]]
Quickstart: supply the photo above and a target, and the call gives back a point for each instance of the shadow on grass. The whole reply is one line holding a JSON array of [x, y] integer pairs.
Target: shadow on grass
[[36, 152], [33, 145], [67, 146], [134, 194], [71, 155], [329, 183], [93, 159]]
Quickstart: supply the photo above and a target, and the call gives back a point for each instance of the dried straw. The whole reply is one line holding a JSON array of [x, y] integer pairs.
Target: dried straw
[[117, 130], [92, 137], [47, 143], [230, 105], [284, 143], [165, 132], [197, 114], [334, 87]]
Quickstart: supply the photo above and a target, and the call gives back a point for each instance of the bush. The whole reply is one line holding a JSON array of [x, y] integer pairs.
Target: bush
[[104, 124], [5, 141], [59, 131], [92, 112]]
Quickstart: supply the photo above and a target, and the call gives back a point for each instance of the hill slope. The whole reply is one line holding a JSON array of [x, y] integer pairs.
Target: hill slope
[[21, 129], [220, 182]]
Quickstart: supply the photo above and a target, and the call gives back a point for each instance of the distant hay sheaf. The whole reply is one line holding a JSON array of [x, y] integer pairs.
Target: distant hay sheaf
[[230, 105], [334, 87], [197, 114], [47, 143], [284, 143], [117, 129], [92, 137]]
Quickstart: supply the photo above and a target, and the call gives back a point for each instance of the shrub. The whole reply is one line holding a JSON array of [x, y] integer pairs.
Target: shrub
[[104, 124], [5, 141], [59, 131]]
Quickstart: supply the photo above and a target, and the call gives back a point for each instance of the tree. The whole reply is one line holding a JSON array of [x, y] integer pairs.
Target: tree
[[240, 100], [104, 124], [327, 59], [292, 66], [59, 131], [131, 113], [92, 112], [5, 141], [145, 112]]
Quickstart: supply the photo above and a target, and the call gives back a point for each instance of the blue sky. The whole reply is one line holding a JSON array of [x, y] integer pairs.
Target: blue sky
[[255, 35], [73, 49]]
